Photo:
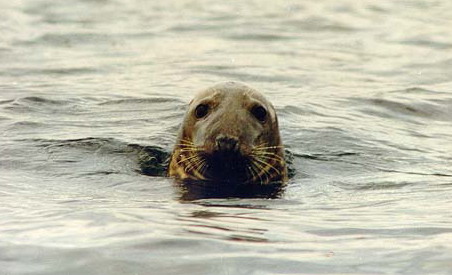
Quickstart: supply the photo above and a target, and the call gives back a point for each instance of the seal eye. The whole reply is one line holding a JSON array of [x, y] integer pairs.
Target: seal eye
[[259, 113], [201, 110]]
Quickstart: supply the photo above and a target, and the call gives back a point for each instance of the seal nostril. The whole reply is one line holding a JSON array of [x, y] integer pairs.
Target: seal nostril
[[226, 143]]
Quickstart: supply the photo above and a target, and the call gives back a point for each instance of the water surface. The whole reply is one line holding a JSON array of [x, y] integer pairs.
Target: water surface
[[91, 90]]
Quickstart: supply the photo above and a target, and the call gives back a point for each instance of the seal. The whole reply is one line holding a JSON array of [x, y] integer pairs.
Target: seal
[[229, 134]]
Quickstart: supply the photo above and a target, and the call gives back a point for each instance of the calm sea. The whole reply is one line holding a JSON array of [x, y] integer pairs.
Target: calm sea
[[91, 90]]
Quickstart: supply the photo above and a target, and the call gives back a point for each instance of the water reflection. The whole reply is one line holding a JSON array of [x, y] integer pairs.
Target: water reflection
[[92, 94], [235, 225], [191, 190]]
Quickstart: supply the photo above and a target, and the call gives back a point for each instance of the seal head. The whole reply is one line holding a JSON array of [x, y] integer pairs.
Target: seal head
[[229, 134]]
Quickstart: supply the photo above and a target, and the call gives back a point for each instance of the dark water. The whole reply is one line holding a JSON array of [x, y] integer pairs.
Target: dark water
[[91, 90]]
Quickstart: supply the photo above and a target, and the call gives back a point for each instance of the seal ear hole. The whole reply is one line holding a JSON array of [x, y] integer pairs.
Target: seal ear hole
[[259, 113], [201, 110]]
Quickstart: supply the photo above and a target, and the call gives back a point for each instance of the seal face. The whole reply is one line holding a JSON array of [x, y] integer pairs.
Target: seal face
[[229, 134]]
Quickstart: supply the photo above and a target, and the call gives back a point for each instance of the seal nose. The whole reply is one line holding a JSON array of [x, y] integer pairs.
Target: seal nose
[[224, 143]]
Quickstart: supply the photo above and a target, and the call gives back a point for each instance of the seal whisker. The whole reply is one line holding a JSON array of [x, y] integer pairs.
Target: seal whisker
[[186, 145], [186, 140], [262, 168], [181, 145], [269, 155], [268, 165], [255, 169], [195, 164], [268, 147], [203, 166], [188, 166], [261, 145], [252, 173], [194, 150], [185, 159], [191, 166], [217, 143]]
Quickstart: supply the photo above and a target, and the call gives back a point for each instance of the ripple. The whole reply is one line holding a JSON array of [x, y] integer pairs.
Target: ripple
[[409, 103], [49, 72], [243, 76], [152, 160], [403, 108], [408, 231], [267, 37], [36, 100], [427, 43], [40, 109], [317, 23], [134, 101], [69, 40], [6, 101], [94, 92], [326, 157]]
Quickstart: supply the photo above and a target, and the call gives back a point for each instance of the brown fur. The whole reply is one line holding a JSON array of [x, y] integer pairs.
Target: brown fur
[[229, 115]]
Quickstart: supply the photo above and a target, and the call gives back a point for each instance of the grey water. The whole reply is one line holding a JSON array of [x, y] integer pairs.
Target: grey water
[[91, 90]]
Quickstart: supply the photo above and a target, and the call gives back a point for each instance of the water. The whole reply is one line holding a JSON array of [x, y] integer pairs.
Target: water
[[92, 90]]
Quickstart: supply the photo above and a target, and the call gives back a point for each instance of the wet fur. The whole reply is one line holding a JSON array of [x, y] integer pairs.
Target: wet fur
[[194, 156]]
